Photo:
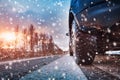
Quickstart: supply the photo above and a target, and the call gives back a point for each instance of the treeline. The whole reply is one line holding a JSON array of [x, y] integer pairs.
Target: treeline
[[33, 44]]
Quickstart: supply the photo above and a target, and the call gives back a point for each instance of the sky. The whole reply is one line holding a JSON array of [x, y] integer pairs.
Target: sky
[[50, 16]]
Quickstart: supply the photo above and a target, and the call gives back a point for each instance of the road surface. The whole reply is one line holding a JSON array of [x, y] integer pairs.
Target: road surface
[[14, 70], [104, 68], [64, 68]]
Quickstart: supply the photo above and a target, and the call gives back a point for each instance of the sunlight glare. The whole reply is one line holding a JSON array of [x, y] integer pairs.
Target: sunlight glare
[[9, 36]]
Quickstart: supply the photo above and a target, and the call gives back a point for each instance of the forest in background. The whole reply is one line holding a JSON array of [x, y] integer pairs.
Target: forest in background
[[27, 43]]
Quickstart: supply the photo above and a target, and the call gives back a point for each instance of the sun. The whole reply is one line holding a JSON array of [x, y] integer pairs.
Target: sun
[[8, 36], [11, 40]]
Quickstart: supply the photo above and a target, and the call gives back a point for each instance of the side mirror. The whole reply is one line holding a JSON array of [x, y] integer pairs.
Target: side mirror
[[67, 34]]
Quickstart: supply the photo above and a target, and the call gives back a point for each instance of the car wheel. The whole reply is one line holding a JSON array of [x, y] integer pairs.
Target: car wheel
[[83, 45], [85, 48], [72, 43]]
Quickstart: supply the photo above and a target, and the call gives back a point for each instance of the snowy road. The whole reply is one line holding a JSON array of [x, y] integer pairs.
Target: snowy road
[[103, 68], [61, 68], [13, 70]]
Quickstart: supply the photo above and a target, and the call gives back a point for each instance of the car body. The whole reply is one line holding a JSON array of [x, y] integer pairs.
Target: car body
[[96, 22]]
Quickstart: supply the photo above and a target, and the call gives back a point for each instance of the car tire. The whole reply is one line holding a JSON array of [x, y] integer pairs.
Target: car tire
[[84, 47], [72, 40]]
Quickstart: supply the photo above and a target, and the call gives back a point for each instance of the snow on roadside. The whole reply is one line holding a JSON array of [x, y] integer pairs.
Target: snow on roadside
[[64, 68]]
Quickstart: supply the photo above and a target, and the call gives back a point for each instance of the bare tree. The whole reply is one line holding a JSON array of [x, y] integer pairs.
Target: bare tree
[[36, 38], [51, 45], [25, 39], [31, 31], [16, 34], [36, 41]]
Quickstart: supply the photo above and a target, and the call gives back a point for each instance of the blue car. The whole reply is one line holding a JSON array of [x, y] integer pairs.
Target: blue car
[[94, 28]]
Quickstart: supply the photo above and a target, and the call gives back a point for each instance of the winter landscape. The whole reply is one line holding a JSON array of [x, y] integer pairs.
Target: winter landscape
[[34, 44]]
